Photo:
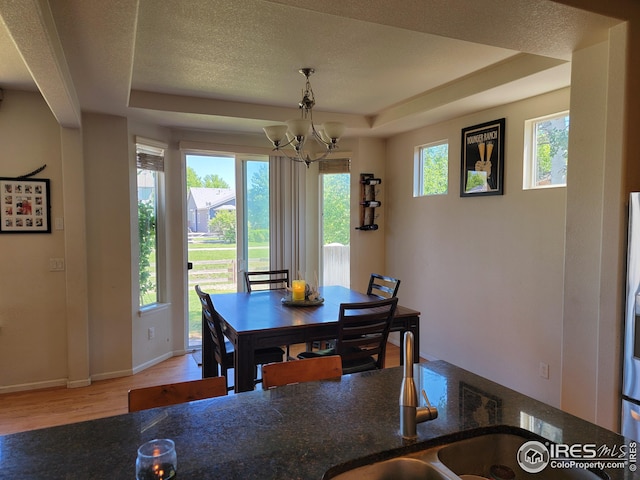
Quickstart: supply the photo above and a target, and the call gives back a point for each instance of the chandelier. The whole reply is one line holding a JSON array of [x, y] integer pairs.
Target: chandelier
[[309, 143]]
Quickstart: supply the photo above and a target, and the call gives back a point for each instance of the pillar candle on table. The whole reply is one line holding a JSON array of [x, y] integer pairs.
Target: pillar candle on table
[[298, 288]]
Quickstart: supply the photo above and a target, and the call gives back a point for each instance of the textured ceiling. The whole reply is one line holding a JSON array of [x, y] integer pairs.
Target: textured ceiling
[[231, 65]]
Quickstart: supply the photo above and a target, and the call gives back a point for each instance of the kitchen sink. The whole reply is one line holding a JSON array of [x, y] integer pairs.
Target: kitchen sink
[[397, 468], [485, 453], [495, 456]]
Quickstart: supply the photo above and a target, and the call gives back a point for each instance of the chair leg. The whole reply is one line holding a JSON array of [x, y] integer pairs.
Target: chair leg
[[226, 378]]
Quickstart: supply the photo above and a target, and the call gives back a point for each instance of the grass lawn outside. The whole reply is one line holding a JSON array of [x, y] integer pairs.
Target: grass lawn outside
[[215, 270]]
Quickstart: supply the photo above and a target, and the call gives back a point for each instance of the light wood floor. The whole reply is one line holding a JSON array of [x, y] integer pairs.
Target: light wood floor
[[23, 411]]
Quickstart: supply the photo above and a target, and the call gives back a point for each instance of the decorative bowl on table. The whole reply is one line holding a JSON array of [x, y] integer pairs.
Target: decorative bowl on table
[[288, 301], [303, 294]]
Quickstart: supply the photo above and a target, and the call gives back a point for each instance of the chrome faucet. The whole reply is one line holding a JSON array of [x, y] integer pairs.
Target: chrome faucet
[[410, 413]]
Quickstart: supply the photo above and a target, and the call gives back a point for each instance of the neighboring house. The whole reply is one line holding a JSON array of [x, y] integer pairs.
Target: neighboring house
[[203, 204]]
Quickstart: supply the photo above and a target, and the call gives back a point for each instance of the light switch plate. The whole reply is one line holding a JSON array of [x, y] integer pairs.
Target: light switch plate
[[544, 370]]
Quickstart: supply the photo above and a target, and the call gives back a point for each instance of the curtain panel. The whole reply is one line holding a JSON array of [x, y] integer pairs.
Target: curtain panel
[[287, 185]]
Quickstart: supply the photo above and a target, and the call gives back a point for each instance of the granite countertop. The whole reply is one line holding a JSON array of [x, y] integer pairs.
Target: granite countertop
[[297, 431]]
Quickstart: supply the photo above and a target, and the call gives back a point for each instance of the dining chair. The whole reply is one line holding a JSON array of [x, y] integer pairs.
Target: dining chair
[[382, 286], [174, 393], [222, 349], [272, 279], [363, 330], [297, 371]]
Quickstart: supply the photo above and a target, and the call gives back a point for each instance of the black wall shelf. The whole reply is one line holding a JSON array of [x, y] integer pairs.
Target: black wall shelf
[[368, 203]]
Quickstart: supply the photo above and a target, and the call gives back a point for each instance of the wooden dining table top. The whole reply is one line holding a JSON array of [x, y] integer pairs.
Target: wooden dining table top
[[260, 319], [247, 312]]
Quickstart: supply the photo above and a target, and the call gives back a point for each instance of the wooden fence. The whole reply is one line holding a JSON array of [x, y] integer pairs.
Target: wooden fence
[[336, 259], [219, 275], [222, 275]]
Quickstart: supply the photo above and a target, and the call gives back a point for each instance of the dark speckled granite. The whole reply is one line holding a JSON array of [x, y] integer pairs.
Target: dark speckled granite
[[298, 431]]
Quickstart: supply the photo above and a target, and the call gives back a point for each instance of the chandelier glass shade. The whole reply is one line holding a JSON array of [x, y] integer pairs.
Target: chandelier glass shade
[[309, 142]]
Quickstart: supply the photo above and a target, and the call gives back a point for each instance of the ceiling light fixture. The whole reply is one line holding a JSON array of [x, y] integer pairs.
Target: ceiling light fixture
[[298, 131]]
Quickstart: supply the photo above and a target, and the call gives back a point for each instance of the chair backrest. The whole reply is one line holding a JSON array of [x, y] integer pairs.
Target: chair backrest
[[212, 320], [173, 393], [363, 329], [272, 279], [304, 370], [382, 286]]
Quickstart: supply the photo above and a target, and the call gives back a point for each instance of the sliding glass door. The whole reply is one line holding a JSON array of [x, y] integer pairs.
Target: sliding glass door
[[227, 226]]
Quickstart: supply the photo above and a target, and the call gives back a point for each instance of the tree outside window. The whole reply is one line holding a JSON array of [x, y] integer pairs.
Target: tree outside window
[[432, 169], [546, 151], [336, 195], [147, 236], [150, 172]]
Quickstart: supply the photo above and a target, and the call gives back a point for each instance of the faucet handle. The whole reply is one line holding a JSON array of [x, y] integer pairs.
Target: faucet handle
[[427, 413]]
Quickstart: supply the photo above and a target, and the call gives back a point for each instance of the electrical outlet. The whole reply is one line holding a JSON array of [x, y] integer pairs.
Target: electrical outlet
[[543, 370], [151, 333], [56, 264]]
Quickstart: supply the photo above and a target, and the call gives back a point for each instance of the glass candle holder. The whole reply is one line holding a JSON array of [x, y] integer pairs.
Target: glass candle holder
[[298, 287], [157, 460]]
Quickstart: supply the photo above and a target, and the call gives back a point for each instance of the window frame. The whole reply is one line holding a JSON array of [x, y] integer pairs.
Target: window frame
[[154, 148], [418, 168], [530, 164]]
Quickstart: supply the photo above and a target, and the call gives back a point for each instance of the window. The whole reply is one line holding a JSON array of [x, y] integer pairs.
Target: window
[[335, 196], [431, 175], [150, 168], [257, 216], [546, 146]]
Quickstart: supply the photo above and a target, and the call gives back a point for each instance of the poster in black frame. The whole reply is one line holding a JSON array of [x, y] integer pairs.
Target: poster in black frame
[[26, 205], [482, 169]]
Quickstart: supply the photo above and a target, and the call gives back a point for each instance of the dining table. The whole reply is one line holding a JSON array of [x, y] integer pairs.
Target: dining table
[[268, 318]]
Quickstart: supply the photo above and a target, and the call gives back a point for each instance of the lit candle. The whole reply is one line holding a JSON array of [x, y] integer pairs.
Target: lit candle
[[298, 288]]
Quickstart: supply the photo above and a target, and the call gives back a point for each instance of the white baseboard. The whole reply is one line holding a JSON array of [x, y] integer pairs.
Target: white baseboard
[[155, 361], [109, 375], [79, 383], [137, 368], [23, 387], [63, 382]]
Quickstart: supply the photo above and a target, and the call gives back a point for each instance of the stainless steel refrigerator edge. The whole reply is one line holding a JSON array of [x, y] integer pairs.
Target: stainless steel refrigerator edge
[[631, 359]]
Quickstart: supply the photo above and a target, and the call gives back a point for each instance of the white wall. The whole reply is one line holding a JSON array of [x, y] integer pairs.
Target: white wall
[[595, 232], [368, 247], [486, 272], [168, 320], [107, 169], [506, 282], [33, 328]]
